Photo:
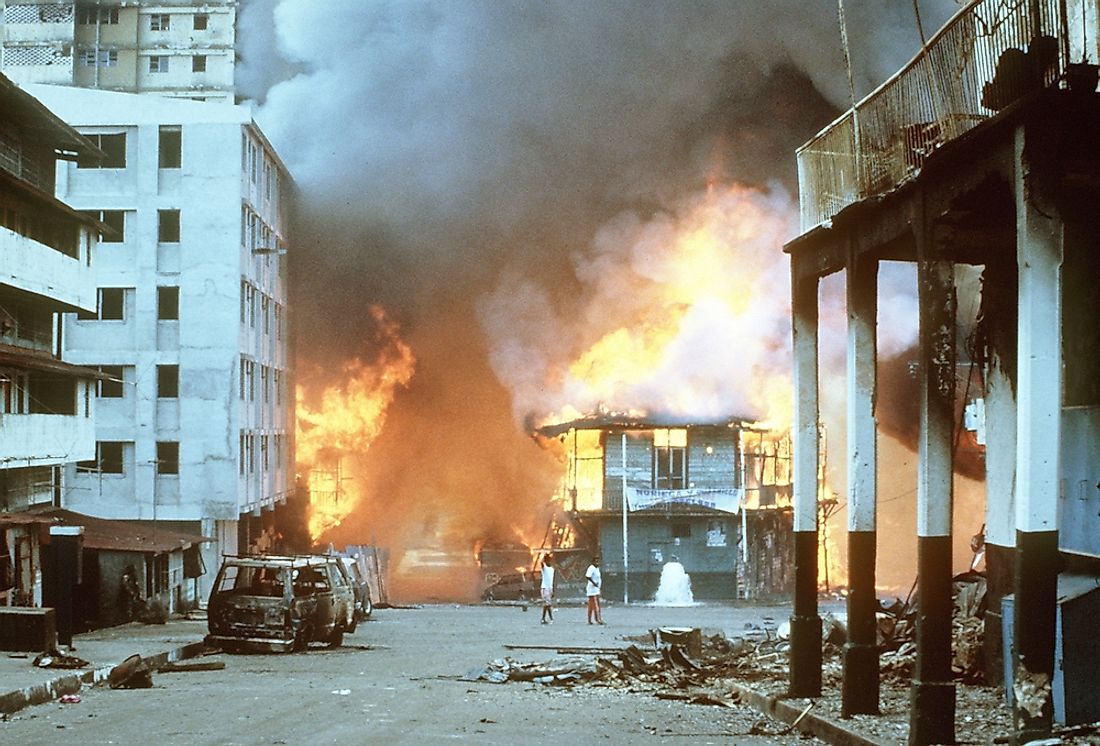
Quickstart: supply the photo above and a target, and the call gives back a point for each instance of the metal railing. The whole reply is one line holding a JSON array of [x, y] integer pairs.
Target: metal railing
[[988, 55]]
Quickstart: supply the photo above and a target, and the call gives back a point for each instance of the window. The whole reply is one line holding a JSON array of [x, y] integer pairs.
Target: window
[[243, 453], [198, 63], [171, 147], [278, 385], [681, 530], [115, 148], [265, 385], [278, 321], [98, 58], [89, 16], [160, 22], [168, 303], [108, 458], [244, 366], [266, 313], [112, 304], [110, 388], [168, 457], [168, 381], [113, 219], [158, 63], [263, 452], [168, 226], [670, 459], [201, 21]]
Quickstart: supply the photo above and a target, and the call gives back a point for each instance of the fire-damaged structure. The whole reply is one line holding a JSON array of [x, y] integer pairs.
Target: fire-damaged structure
[[984, 150], [713, 495]]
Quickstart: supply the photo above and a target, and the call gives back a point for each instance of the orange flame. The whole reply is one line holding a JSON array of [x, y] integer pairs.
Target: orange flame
[[688, 314], [350, 416]]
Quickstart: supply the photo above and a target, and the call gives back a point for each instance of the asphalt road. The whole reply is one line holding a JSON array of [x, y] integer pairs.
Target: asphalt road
[[395, 681]]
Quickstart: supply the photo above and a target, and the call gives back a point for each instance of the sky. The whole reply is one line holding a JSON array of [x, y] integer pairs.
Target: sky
[[495, 175]]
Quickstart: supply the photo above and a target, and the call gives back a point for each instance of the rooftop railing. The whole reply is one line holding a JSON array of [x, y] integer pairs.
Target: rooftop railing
[[991, 53]]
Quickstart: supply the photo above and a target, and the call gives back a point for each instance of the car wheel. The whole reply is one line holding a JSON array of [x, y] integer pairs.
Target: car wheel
[[350, 629], [336, 639], [368, 607]]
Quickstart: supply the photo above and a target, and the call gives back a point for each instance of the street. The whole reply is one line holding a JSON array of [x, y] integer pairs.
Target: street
[[396, 681]]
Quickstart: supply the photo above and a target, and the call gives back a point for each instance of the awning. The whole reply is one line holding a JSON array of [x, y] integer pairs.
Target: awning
[[22, 357], [125, 536]]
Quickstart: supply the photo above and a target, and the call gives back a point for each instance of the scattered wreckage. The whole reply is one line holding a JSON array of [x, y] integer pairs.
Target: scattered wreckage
[[279, 604]]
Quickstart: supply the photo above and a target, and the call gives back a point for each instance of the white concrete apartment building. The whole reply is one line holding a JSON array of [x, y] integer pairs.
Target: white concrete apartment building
[[177, 48], [194, 429], [47, 411]]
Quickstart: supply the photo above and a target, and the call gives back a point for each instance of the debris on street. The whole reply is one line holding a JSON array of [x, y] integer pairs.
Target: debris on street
[[175, 667], [54, 659], [132, 673]]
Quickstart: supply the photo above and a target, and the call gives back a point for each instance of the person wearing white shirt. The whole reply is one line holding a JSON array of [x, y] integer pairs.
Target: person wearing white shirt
[[547, 589], [592, 590]]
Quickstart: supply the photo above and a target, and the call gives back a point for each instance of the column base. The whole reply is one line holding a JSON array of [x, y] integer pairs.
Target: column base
[[931, 713], [860, 688], [805, 657]]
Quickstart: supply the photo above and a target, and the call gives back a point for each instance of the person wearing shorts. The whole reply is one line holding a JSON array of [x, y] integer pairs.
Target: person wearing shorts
[[592, 575], [547, 589]]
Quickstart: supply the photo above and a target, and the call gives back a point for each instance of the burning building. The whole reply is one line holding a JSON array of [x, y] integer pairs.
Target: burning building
[[715, 495]]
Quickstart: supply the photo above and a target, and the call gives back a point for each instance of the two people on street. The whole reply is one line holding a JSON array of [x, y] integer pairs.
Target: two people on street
[[592, 590]]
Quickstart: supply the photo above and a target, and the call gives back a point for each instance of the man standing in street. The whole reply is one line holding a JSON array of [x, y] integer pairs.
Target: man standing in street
[[592, 574], [548, 589]]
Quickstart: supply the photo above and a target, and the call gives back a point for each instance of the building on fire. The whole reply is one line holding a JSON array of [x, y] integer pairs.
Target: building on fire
[[176, 48], [189, 328], [984, 150], [713, 495]]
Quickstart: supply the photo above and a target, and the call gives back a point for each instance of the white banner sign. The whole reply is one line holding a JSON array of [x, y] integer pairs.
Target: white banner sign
[[729, 500]]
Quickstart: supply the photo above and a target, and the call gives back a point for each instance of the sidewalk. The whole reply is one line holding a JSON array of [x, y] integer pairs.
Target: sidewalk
[[25, 684]]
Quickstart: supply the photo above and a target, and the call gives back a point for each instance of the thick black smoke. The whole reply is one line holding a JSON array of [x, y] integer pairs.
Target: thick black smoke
[[440, 147]]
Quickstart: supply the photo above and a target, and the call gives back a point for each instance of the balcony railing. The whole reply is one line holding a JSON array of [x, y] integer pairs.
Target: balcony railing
[[988, 55]]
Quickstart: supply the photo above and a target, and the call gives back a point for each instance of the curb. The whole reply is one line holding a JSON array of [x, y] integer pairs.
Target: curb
[[815, 725], [72, 683]]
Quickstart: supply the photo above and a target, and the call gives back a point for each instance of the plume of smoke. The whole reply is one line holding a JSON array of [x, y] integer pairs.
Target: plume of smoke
[[464, 161]]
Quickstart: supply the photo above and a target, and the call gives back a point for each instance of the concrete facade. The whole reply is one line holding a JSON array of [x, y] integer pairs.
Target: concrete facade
[[195, 426], [46, 249], [174, 48]]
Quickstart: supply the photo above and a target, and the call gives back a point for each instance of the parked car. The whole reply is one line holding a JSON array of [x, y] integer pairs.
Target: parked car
[[364, 606], [280, 604], [513, 586]]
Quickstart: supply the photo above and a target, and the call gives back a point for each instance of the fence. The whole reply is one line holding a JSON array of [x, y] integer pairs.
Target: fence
[[988, 55]]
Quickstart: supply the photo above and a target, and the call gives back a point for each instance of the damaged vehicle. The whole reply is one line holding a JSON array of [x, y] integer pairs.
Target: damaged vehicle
[[357, 576], [279, 604]]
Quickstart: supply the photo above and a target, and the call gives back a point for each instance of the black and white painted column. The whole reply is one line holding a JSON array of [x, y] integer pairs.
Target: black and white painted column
[[1039, 237], [860, 688], [805, 673], [932, 697]]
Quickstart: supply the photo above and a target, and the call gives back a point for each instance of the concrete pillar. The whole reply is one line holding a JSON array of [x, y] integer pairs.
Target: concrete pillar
[[1039, 237], [860, 688], [932, 697], [805, 670]]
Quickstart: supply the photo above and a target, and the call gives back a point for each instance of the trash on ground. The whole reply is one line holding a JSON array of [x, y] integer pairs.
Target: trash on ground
[[69, 699], [175, 667], [132, 673], [54, 659]]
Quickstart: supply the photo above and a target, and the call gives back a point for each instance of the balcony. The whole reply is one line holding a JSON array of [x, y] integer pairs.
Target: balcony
[[990, 54], [45, 439], [45, 271]]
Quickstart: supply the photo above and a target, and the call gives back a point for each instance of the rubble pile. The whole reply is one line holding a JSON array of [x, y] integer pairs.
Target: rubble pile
[[897, 634]]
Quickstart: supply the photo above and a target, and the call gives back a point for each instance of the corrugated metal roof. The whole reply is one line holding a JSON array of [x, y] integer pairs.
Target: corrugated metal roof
[[125, 536]]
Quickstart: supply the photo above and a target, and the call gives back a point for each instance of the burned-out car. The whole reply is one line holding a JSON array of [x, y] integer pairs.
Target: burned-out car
[[357, 576], [280, 604]]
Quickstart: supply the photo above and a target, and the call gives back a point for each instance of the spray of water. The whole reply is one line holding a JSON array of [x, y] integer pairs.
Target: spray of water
[[674, 588]]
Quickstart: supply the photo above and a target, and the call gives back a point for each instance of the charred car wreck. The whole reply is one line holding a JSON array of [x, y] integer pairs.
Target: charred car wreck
[[280, 604]]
